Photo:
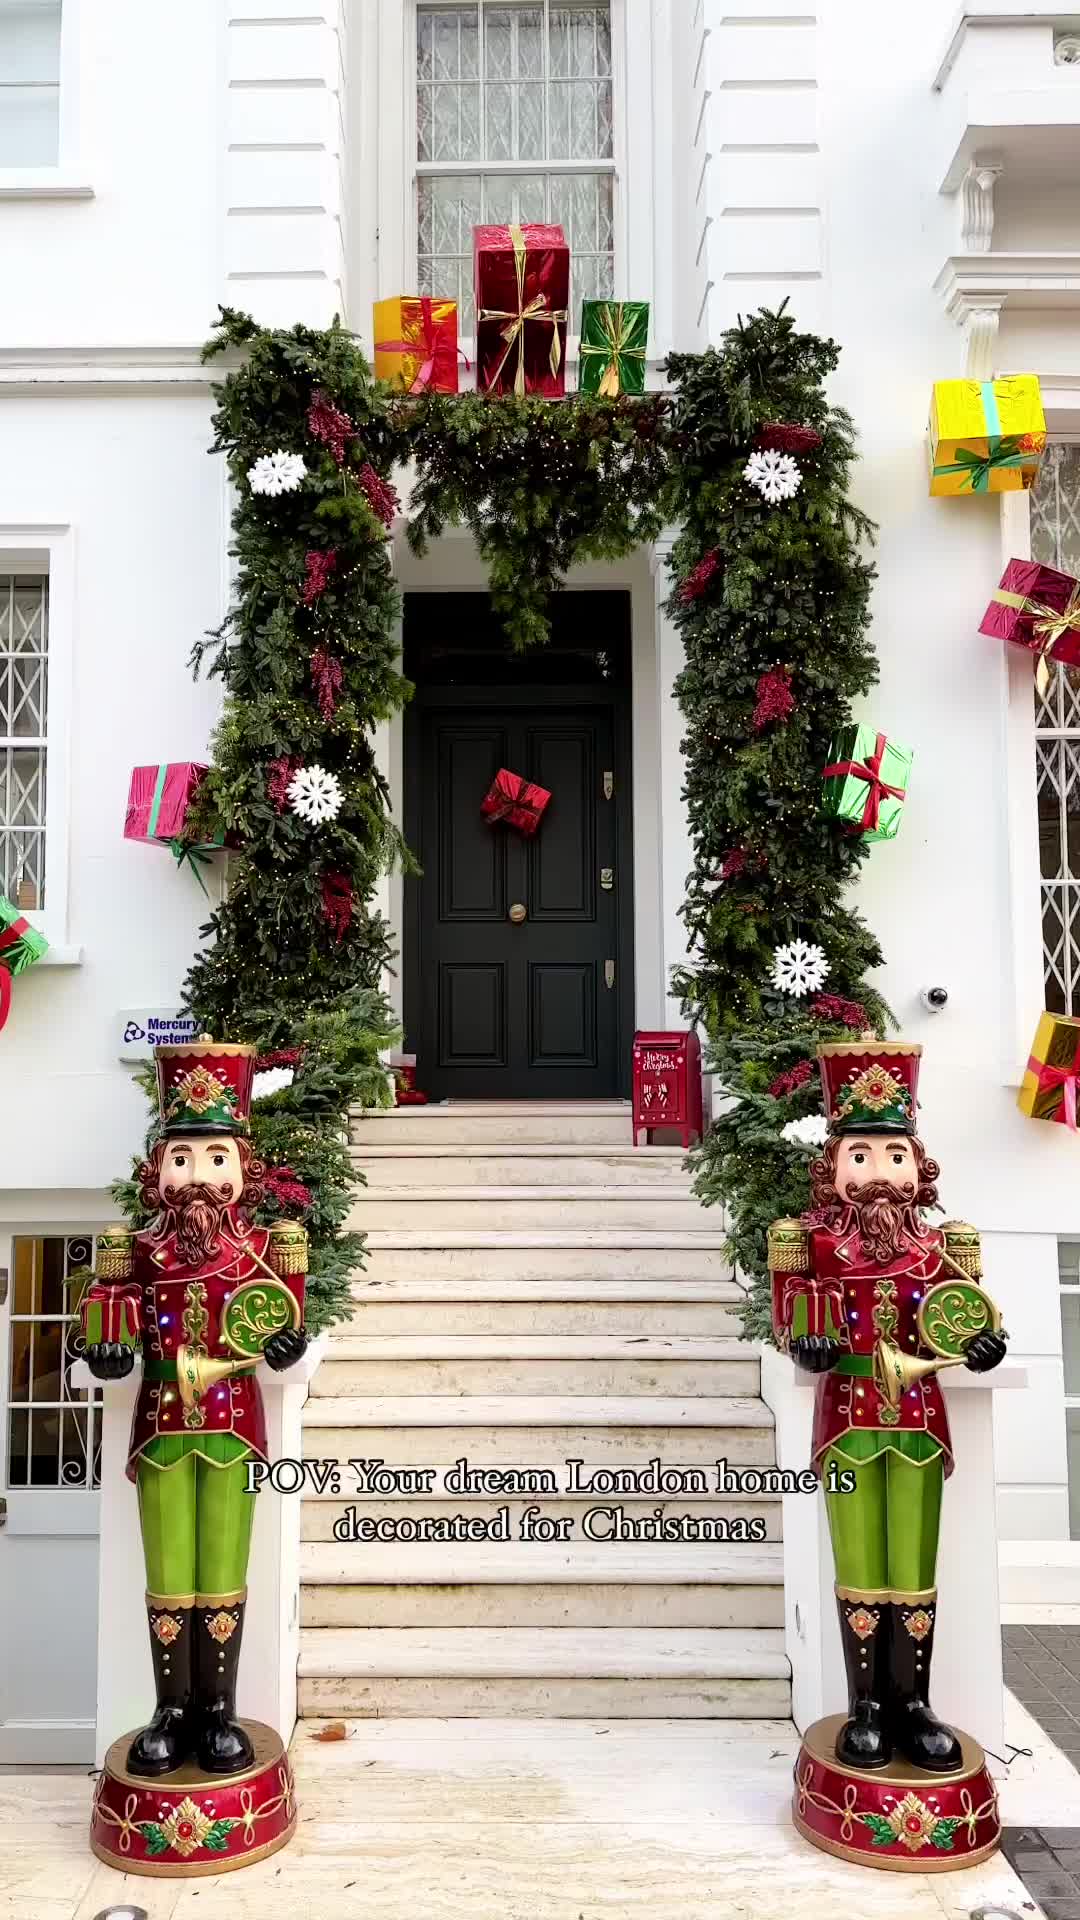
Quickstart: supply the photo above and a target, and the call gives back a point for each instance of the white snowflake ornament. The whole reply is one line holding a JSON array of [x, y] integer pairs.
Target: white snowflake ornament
[[315, 794], [799, 968], [812, 1131], [775, 475], [276, 473], [271, 1080]]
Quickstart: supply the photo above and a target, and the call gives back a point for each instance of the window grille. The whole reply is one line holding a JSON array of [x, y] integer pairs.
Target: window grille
[[514, 123], [1055, 540], [54, 1429], [29, 83], [24, 675]]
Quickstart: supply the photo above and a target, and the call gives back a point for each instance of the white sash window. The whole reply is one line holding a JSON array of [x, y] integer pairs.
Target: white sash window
[[514, 122]]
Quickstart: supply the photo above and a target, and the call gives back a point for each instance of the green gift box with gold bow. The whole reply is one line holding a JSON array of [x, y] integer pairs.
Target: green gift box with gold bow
[[614, 344], [986, 436]]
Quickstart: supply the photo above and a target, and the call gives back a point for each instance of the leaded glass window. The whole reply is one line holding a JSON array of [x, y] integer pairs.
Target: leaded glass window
[[1055, 540], [513, 122], [24, 688], [54, 1428]]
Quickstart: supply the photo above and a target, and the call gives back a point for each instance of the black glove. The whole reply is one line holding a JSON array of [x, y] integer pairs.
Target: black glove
[[284, 1349], [108, 1360], [987, 1350], [815, 1352]]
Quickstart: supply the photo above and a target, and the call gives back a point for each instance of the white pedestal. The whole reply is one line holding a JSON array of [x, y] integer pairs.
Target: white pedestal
[[967, 1685], [267, 1685]]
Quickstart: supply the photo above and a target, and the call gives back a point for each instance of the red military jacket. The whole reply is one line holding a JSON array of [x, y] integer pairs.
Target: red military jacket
[[173, 1305], [866, 1302]]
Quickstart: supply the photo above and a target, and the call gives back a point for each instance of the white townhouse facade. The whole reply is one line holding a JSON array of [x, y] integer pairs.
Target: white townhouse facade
[[906, 181]]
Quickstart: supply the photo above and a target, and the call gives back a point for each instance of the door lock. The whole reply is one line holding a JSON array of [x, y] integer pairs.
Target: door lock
[[607, 878], [609, 973]]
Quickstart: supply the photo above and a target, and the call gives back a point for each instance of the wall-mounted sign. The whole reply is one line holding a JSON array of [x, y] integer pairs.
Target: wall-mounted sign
[[144, 1028]]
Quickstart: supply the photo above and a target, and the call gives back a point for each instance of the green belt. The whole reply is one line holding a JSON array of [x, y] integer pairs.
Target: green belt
[[860, 1363], [166, 1370]]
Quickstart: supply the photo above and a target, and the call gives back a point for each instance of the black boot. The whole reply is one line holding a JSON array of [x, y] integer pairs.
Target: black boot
[[921, 1737], [222, 1745], [167, 1741], [863, 1740]]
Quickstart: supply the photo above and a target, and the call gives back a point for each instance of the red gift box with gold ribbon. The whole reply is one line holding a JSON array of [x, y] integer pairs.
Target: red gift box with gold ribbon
[[1039, 608], [522, 279], [518, 801]]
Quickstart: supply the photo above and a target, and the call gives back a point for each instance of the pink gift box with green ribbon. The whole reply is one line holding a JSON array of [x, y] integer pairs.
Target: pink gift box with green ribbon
[[160, 801]]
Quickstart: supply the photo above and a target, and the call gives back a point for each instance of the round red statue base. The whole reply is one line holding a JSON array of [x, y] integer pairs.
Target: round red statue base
[[900, 1817], [189, 1822]]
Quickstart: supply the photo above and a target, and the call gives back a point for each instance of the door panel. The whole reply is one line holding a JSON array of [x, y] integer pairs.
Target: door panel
[[495, 1007]]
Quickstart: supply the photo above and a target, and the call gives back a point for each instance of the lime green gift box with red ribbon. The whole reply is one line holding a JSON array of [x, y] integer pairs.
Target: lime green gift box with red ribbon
[[866, 782], [20, 946], [986, 436]]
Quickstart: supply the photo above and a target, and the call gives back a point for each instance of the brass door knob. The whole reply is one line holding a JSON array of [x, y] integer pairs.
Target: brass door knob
[[518, 913]]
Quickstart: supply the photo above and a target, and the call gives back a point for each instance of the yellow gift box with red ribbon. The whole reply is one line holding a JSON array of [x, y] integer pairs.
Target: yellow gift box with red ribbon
[[986, 436], [416, 343], [1048, 1090]]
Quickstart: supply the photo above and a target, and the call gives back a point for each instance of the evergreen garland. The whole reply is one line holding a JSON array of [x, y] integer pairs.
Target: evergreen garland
[[542, 487], [307, 657], [772, 602]]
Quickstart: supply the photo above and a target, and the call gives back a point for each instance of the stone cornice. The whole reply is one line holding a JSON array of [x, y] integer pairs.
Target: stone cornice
[[176, 369]]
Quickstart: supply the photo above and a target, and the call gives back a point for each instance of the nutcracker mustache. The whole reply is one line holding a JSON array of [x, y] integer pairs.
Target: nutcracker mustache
[[885, 1213], [194, 1214]]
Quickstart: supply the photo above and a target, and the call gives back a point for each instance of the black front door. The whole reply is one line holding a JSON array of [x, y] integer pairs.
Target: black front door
[[516, 944]]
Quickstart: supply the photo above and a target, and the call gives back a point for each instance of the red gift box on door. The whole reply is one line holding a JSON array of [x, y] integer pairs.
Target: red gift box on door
[[667, 1084], [522, 283], [518, 801]]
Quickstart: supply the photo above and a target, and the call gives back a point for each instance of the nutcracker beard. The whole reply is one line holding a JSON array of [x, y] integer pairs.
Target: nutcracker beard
[[885, 1212]]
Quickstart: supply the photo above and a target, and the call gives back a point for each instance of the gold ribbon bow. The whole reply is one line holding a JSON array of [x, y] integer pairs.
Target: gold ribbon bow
[[614, 348], [514, 331], [1051, 624]]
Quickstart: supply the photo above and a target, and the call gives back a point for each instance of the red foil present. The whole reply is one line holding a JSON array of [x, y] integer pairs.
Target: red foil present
[[522, 281], [1039, 608], [159, 801], [517, 801]]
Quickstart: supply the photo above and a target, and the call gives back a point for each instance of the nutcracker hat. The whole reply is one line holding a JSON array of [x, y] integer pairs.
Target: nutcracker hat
[[204, 1086], [870, 1086]]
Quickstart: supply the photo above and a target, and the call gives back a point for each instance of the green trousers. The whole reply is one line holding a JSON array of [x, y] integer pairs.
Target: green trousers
[[195, 1514], [885, 1533]]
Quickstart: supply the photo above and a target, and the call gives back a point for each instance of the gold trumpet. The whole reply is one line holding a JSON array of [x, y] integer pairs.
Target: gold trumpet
[[951, 1315], [196, 1373]]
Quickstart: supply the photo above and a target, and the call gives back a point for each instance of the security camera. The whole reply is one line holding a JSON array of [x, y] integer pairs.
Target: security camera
[[935, 999]]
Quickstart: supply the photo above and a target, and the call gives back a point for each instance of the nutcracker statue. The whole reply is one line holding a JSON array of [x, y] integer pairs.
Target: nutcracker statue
[[205, 1294], [876, 1302]]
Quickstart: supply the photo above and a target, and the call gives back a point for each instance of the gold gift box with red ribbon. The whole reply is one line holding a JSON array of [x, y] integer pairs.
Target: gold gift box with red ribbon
[[416, 343], [1048, 1090]]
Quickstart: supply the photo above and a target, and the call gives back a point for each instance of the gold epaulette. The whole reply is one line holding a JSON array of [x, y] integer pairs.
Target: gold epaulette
[[114, 1258], [788, 1247], [288, 1249], [962, 1246]]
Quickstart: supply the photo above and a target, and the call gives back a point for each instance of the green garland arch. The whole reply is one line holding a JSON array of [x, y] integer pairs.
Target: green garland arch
[[295, 955]]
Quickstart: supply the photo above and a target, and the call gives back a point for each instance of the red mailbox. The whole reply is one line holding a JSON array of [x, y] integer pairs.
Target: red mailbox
[[667, 1083]]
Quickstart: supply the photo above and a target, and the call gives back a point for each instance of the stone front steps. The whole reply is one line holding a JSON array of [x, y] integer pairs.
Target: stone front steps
[[541, 1672], [537, 1291]]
